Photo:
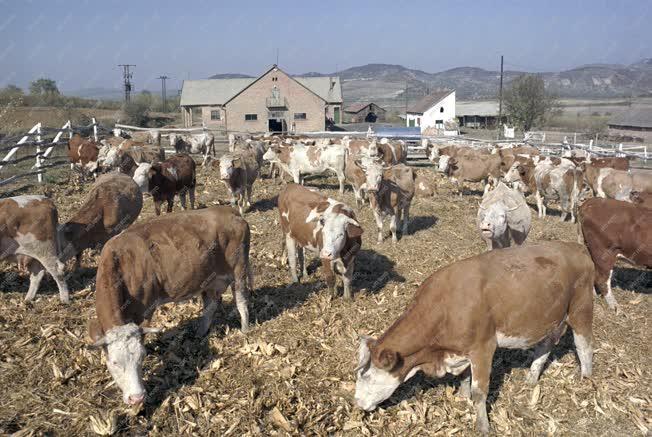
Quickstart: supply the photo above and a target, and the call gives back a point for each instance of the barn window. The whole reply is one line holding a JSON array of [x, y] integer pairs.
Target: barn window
[[439, 124], [215, 115], [251, 117], [441, 109], [300, 116]]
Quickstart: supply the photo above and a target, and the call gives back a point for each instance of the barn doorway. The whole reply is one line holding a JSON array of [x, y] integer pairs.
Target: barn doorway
[[370, 118], [276, 125]]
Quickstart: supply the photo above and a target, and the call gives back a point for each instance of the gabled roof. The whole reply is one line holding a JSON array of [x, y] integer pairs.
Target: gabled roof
[[220, 91], [429, 101], [639, 117], [357, 107]]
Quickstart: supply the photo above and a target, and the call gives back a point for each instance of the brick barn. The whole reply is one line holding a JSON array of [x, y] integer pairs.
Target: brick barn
[[364, 113], [273, 102]]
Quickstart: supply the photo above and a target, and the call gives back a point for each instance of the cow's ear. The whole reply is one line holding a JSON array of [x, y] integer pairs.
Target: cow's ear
[[353, 231], [387, 359]]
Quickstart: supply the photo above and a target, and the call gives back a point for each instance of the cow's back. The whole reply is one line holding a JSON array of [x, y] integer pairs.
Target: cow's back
[[31, 214]]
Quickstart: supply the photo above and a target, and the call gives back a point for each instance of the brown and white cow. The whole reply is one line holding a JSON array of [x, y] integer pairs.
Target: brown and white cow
[[610, 183], [238, 172], [641, 199], [163, 180], [83, 153], [613, 229], [28, 234], [392, 152], [391, 190], [299, 160], [549, 181], [113, 203], [471, 167], [319, 224], [464, 311], [167, 259], [423, 187]]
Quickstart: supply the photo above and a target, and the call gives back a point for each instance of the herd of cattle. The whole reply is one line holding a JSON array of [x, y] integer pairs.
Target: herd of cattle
[[497, 296]]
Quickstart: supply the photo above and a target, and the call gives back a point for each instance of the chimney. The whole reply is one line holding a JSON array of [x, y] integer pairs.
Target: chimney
[[332, 81]]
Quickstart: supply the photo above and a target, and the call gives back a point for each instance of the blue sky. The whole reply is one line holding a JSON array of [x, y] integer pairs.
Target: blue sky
[[80, 43]]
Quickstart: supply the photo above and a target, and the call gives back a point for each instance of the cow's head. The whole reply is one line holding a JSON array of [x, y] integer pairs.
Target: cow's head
[[173, 139], [515, 173], [335, 228], [493, 220], [143, 174], [272, 153], [228, 164], [125, 353], [447, 164], [373, 169], [433, 154], [375, 380]]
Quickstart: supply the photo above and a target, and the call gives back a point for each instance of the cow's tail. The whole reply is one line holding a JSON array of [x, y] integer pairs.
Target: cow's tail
[[249, 274], [578, 220]]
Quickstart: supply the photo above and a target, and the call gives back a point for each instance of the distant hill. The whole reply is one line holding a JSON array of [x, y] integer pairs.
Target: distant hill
[[230, 76], [111, 93]]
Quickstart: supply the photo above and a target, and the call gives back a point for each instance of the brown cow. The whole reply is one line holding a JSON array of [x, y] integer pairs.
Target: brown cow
[[28, 235], [166, 259], [164, 180], [238, 172], [113, 203], [591, 169], [320, 224], [83, 153], [471, 167], [613, 229], [618, 184], [392, 152], [641, 199], [391, 190], [464, 311], [423, 187]]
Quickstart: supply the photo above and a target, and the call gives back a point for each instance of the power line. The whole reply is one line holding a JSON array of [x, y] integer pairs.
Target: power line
[[500, 97], [126, 76]]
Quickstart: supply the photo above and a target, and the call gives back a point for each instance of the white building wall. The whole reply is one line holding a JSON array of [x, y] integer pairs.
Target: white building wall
[[442, 112]]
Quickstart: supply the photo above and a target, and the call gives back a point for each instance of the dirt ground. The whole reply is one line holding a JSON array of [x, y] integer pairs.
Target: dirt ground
[[293, 372]]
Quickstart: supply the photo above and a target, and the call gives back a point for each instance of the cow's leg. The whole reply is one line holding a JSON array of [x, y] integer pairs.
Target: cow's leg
[[540, 207], [182, 199], [211, 304], [347, 278], [191, 195], [393, 223], [609, 297], [481, 360], [241, 297], [304, 262], [406, 220], [291, 247], [465, 384], [580, 319], [379, 223], [55, 268], [170, 203], [341, 178], [157, 206], [329, 276], [541, 353], [604, 261], [358, 196], [249, 190], [36, 273]]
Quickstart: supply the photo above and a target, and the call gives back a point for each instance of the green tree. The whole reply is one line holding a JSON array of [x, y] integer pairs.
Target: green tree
[[11, 94], [527, 103], [43, 87]]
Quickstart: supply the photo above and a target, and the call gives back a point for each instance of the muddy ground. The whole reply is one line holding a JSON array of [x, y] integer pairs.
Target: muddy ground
[[293, 372]]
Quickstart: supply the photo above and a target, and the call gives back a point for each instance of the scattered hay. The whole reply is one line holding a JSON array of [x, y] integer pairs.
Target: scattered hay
[[292, 374]]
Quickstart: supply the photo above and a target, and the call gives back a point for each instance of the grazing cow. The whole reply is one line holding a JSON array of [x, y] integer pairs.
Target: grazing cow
[[609, 183], [613, 229], [28, 234], [179, 143], [166, 259], [83, 152], [504, 217], [464, 311], [116, 157], [423, 187], [549, 181], [392, 153], [471, 167], [113, 203], [163, 180], [299, 160], [203, 143], [319, 224], [391, 190], [435, 151], [238, 172], [257, 148]]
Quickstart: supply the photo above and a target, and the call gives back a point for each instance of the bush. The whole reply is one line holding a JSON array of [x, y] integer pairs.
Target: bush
[[136, 113]]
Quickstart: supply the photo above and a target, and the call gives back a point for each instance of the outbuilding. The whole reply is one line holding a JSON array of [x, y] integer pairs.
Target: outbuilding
[[432, 111], [273, 102], [635, 124], [364, 113]]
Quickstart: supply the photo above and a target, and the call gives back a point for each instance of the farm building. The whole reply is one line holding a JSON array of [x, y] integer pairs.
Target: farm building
[[364, 113], [636, 123], [477, 114], [273, 102], [432, 110]]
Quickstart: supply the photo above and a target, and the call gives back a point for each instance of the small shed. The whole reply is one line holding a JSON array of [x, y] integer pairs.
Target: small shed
[[364, 113], [477, 114], [635, 124]]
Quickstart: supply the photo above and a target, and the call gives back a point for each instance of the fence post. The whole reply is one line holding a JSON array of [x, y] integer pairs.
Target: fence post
[[95, 130], [69, 129], [574, 137], [39, 176]]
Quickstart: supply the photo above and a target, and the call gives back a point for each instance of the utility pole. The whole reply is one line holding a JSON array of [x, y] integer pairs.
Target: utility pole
[[406, 102], [500, 98], [163, 91], [126, 76]]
